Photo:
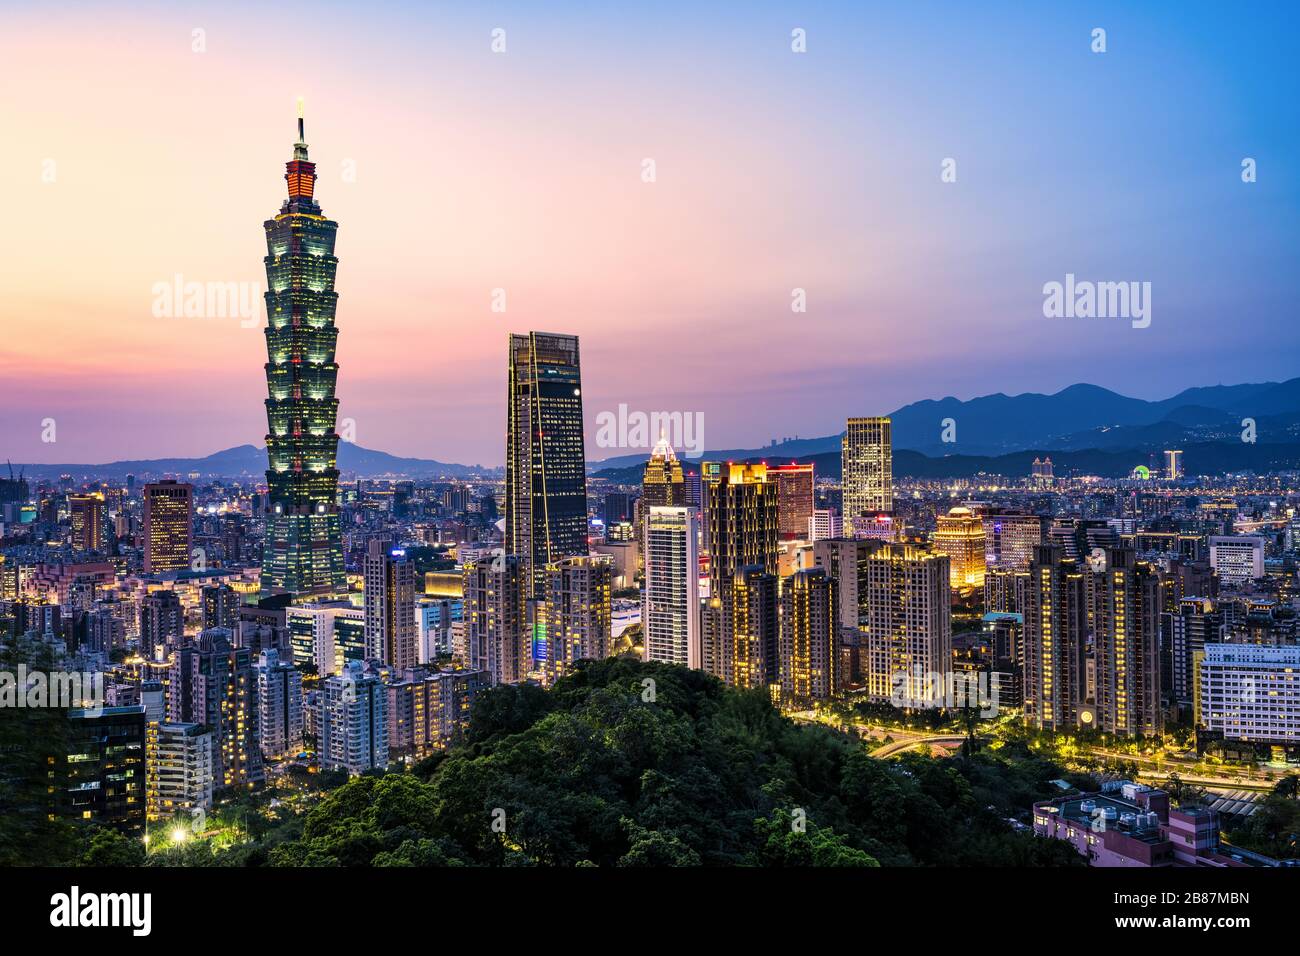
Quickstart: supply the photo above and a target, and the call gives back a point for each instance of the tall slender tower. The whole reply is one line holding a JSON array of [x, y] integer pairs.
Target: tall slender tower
[[303, 553], [546, 468]]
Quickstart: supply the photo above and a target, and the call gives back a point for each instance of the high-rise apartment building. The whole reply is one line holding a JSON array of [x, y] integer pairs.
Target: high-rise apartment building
[[496, 629], [1091, 642], [546, 468], [576, 615], [168, 526], [825, 523], [279, 706], [391, 633], [352, 723], [162, 622], [428, 710], [180, 776], [809, 638], [670, 601], [213, 683], [903, 595], [866, 471], [302, 550]]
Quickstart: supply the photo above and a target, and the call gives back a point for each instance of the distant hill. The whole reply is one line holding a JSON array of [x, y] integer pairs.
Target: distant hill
[[249, 461], [1205, 458], [1077, 418]]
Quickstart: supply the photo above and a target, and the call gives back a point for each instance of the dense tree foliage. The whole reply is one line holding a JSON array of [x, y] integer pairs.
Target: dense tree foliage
[[612, 770], [1274, 828]]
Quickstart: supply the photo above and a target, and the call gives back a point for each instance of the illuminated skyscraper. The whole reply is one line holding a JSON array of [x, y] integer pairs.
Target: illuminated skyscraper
[[662, 484], [794, 498], [740, 536], [867, 471], [302, 554], [87, 517], [546, 468], [168, 526], [670, 611], [577, 613], [1173, 464], [809, 637], [904, 614], [1010, 539], [496, 631], [391, 633], [960, 535]]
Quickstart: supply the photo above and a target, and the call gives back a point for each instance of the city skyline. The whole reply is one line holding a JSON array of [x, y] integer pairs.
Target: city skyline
[[916, 288]]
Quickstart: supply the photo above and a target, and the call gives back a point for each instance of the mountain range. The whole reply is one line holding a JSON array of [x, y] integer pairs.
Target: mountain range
[[1085, 428], [249, 461]]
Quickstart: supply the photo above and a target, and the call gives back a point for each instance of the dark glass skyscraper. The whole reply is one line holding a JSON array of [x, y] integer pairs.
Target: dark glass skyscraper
[[546, 470], [303, 552]]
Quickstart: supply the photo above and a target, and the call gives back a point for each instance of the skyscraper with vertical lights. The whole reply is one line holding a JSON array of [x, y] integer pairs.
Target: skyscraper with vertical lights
[[303, 552], [867, 472], [546, 468]]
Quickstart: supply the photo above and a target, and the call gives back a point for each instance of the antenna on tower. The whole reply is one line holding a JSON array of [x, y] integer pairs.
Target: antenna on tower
[[301, 137]]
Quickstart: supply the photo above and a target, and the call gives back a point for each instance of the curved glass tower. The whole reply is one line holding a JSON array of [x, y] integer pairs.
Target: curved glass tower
[[303, 553]]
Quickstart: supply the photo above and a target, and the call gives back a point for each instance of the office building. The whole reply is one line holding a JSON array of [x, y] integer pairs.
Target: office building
[[825, 523], [546, 468], [101, 777], [168, 526], [1010, 539], [86, 515], [1237, 559], [662, 483], [867, 472], [1249, 695], [960, 535], [302, 550], [794, 498], [326, 635], [1173, 464]]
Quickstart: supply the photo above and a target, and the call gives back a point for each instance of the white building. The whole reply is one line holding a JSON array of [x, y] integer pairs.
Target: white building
[[670, 614], [279, 706], [179, 771], [353, 721], [825, 523], [1250, 692], [1237, 559]]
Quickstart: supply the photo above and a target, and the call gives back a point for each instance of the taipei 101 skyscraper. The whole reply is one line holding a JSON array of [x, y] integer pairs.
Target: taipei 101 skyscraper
[[302, 553]]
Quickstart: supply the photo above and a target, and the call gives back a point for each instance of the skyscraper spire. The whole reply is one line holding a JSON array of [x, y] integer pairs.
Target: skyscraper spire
[[300, 147]]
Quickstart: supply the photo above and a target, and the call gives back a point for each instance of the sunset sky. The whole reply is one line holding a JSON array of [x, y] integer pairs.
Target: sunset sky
[[476, 170]]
